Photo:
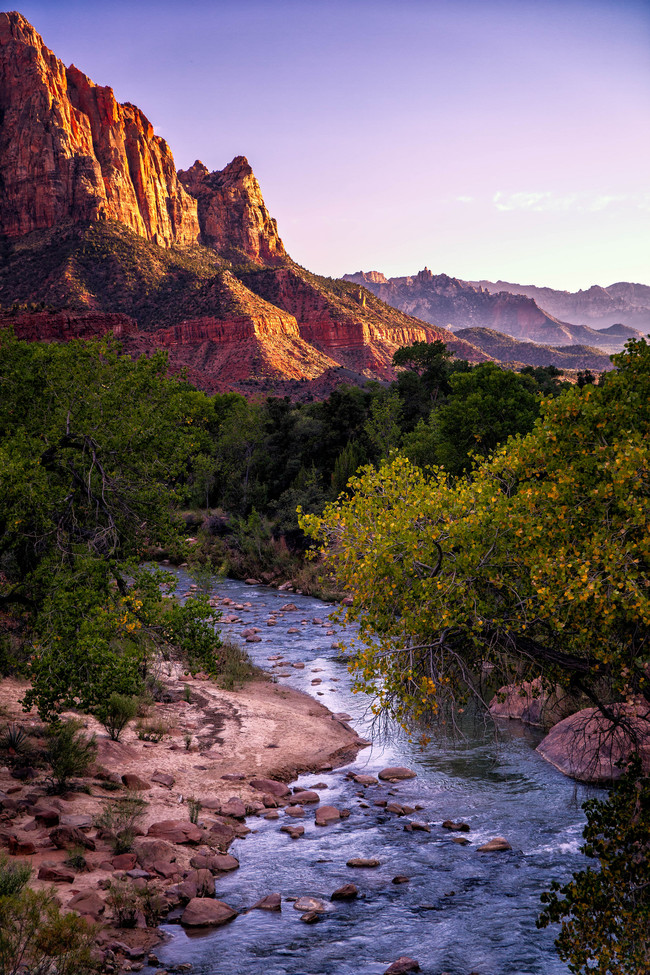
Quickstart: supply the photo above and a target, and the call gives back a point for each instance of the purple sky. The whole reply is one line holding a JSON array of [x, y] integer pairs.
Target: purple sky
[[481, 138]]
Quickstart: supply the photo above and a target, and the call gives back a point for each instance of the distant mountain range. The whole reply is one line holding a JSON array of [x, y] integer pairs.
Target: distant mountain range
[[459, 305], [99, 232]]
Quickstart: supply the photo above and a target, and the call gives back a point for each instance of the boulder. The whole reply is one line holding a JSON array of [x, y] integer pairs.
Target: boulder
[[202, 880], [46, 816], [270, 786], [347, 892], [303, 797], [124, 861], [310, 917], [272, 902], [497, 845], [456, 827], [403, 965], [65, 836], [163, 778], [366, 779], [296, 812], [326, 815], [363, 862], [295, 832], [55, 872], [234, 808], [176, 831], [309, 904], [134, 782], [400, 879], [588, 746], [88, 902], [148, 851], [531, 703], [202, 912], [396, 774]]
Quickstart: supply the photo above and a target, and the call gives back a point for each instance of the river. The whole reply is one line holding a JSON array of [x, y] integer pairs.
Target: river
[[461, 911]]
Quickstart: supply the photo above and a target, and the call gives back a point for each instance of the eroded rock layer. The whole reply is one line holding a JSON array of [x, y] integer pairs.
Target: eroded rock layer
[[71, 152]]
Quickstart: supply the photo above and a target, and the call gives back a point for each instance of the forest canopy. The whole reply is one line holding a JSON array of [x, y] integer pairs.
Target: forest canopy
[[535, 564]]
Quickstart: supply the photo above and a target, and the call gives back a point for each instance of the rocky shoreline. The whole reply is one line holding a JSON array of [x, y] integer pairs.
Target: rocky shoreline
[[233, 751]]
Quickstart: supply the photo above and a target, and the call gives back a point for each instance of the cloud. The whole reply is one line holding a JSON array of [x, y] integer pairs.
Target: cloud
[[464, 199], [540, 202]]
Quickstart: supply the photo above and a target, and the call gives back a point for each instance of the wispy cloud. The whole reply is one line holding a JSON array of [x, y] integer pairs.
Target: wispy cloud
[[464, 199], [540, 202]]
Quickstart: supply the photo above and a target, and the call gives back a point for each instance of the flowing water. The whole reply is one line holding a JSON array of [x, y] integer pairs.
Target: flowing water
[[461, 911]]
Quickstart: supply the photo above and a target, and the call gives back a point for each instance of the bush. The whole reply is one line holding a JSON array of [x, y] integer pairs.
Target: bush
[[154, 730], [13, 876], [16, 746], [69, 752], [124, 902], [194, 807], [76, 859], [605, 913], [234, 666], [116, 714], [119, 821], [36, 938]]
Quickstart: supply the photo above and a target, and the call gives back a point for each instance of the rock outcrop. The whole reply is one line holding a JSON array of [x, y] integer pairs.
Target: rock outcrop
[[232, 214], [71, 152]]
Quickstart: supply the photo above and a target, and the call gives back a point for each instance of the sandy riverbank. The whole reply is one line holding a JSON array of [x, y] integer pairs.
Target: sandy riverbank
[[261, 731]]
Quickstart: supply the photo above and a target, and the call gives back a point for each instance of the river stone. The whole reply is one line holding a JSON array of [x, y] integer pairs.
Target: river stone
[[456, 827], [270, 786], [363, 862], [416, 826], [303, 797], [326, 815], [396, 774], [309, 904], [461, 840], [133, 781], [364, 779], [345, 893], [295, 832], [496, 845], [234, 808], [311, 917], [272, 902], [206, 912], [295, 811], [402, 966], [400, 879]]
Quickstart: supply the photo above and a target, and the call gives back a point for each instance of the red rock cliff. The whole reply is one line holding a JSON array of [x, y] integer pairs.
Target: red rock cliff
[[71, 152], [232, 212]]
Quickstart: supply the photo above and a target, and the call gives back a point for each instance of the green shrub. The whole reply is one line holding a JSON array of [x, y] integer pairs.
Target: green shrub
[[119, 821], [123, 900], [154, 730], [76, 859], [234, 666], [69, 752], [116, 714], [194, 807], [36, 939], [13, 876]]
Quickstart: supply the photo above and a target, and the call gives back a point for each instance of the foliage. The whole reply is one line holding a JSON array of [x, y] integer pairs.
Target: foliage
[[13, 876], [93, 450], [127, 902], [76, 858], [116, 714], [119, 821], [605, 913], [36, 938], [194, 807], [536, 564], [69, 752]]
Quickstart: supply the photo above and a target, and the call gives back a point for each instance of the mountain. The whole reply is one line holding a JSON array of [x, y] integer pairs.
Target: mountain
[[98, 230], [622, 305], [506, 349], [456, 304]]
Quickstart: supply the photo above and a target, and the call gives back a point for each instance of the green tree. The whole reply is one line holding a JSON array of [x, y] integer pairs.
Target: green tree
[[94, 451], [536, 564], [605, 913]]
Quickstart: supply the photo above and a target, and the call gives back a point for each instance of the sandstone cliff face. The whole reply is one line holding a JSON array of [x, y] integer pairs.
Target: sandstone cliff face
[[61, 326], [70, 152], [232, 213]]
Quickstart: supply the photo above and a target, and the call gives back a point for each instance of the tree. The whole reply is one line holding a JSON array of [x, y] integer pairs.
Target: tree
[[605, 913], [93, 450], [534, 565]]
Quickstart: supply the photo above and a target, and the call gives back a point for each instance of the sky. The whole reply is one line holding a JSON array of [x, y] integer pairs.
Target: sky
[[498, 139]]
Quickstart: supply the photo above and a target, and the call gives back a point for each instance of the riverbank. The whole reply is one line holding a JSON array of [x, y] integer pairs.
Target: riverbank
[[212, 744]]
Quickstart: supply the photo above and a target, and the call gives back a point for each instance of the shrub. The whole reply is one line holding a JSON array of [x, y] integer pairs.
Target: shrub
[[124, 902], [116, 714], [13, 876], [194, 808], [605, 913], [69, 752], [119, 821], [154, 730], [76, 859], [36, 938], [234, 666]]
